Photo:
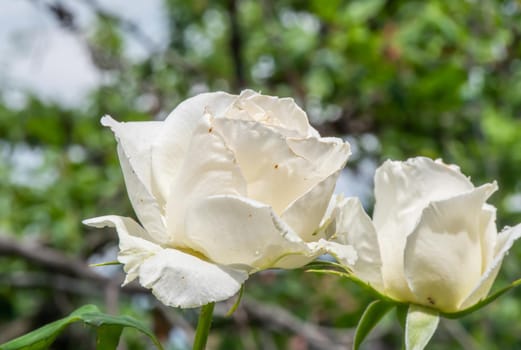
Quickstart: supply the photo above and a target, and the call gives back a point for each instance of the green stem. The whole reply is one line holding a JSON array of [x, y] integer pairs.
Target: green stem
[[203, 326]]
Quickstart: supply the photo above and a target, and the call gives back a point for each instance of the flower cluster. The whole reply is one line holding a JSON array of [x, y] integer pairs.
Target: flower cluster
[[230, 185]]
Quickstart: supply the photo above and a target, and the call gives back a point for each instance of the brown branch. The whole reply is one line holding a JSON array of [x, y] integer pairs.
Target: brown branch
[[60, 283], [236, 45], [273, 317], [48, 258], [279, 318], [55, 261]]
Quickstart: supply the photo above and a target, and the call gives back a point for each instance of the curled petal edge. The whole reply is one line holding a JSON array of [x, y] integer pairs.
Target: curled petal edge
[[175, 278]]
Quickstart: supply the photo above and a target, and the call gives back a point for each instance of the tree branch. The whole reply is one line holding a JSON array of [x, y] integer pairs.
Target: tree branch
[[55, 261], [278, 319], [236, 45]]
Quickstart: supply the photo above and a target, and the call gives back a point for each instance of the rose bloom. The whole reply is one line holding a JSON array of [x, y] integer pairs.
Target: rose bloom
[[226, 186], [432, 240]]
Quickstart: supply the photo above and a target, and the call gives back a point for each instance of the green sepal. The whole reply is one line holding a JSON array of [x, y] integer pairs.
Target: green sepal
[[336, 269], [237, 302], [106, 263], [108, 330], [483, 302], [370, 318], [401, 314], [420, 325]]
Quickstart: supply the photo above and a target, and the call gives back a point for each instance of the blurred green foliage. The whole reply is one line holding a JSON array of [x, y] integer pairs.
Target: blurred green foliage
[[433, 78]]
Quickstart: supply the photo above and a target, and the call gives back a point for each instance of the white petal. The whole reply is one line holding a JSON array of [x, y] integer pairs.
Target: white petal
[[135, 244], [305, 214], [353, 227], [443, 254], [505, 240], [183, 280], [343, 253], [145, 205], [171, 145], [235, 230], [282, 114], [328, 154], [134, 152], [210, 168], [402, 191], [135, 139], [274, 173], [176, 278], [488, 236]]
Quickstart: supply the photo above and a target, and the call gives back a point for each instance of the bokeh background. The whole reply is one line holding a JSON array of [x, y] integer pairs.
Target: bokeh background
[[395, 78]]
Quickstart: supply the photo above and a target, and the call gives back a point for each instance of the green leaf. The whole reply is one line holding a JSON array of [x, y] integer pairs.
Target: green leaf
[[420, 325], [107, 337], [372, 315], [109, 329], [483, 302], [362, 10], [44, 336]]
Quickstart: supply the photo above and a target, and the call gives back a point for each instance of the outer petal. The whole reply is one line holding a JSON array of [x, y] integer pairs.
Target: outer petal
[[171, 145], [236, 230], [343, 253], [274, 172], [210, 168], [402, 191], [134, 243], [328, 154], [145, 205], [134, 151], [443, 254], [183, 280], [281, 114], [353, 227], [305, 214], [135, 140], [505, 240], [488, 231], [176, 278]]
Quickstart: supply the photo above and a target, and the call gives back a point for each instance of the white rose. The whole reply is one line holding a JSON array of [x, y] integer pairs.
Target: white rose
[[226, 186], [433, 239]]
